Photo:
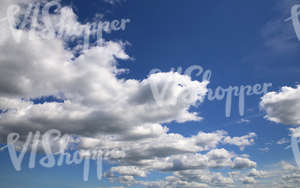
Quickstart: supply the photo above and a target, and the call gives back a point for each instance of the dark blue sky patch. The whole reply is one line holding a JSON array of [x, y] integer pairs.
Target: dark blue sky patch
[[47, 99]]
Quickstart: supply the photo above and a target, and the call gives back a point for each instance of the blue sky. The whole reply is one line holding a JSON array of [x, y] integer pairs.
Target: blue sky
[[241, 42]]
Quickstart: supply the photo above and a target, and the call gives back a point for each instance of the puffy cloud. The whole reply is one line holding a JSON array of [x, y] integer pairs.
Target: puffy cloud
[[209, 140], [89, 86], [281, 175], [283, 106], [241, 142], [295, 132], [240, 163], [290, 175], [248, 180], [219, 158], [167, 152], [192, 179], [128, 171], [128, 180], [256, 173], [120, 118]]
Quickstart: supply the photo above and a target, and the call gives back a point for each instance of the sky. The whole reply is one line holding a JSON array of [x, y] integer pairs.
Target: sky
[[170, 94]]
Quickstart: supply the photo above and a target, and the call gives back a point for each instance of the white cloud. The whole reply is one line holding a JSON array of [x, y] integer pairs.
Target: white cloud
[[295, 132], [283, 141], [128, 171], [248, 180], [256, 173], [243, 120], [265, 149], [240, 163], [283, 106], [192, 179], [119, 117], [241, 142]]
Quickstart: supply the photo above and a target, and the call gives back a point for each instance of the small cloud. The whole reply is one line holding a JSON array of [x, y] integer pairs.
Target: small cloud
[[265, 149], [283, 141], [241, 121], [113, 2]]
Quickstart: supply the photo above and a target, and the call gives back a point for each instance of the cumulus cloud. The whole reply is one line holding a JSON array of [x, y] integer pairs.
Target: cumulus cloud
[[89, 86], [123, 119], [128, 171], [280, 175], [283, 106], [295, 132], [241, 142], [290, 175], [240, 163], [194, 179], [256, 173], [170, 152], [248, 180]]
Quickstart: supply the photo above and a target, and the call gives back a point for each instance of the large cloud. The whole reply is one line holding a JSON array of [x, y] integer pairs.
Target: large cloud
[[121, 118]]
